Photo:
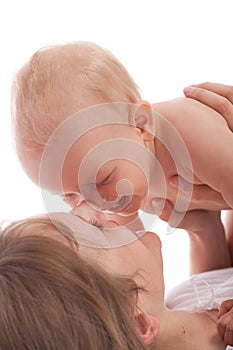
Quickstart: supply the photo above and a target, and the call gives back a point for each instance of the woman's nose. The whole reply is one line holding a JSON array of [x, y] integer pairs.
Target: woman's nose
[[111, 224]]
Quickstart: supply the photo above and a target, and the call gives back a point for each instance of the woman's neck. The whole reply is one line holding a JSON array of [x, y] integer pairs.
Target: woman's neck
[[188, 331]]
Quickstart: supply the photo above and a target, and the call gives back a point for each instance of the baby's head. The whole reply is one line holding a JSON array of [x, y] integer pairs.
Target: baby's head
[[58, 82]]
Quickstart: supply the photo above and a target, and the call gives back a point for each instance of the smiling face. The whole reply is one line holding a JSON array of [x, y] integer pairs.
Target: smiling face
[[107, 166], [103, 167], [99, 154]]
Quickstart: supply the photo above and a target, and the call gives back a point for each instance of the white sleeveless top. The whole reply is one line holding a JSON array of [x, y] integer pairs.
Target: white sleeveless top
[[204, 291]]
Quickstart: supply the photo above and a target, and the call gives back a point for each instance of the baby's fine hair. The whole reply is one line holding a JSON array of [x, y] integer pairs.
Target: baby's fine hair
[[53, 299], [57, 82]]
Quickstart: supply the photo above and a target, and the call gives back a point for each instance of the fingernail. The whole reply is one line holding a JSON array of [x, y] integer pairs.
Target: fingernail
[[188, 90], [158, 203]]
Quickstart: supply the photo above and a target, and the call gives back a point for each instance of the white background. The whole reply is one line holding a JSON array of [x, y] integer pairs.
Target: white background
[[165, 45]]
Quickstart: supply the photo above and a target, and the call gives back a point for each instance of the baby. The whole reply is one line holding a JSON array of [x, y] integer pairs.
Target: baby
[[83, 131]]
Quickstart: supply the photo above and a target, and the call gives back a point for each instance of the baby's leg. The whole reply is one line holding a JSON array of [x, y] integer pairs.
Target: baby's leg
[[228, 223]]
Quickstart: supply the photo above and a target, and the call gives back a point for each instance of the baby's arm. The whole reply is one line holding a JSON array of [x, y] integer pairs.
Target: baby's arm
[[225, 322]]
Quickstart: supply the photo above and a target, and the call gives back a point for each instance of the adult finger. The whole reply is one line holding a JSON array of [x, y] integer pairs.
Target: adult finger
[[226, 306], [192, 220], [219, 89], [221, 103], [200, 194], [162, 207], [225, 328]]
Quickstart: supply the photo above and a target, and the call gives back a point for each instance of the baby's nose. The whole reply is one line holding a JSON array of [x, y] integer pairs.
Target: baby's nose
[[108, 197]]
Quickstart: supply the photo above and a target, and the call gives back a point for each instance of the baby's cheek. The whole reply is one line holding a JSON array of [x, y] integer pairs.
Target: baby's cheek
[[108, 193]]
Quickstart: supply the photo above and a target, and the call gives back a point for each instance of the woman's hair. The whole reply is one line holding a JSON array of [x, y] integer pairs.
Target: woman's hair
[[51, 298], [53, 84]]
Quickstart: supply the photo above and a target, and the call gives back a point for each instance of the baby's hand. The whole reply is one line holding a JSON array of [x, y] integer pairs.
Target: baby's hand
[[87, 213], [225, 322]]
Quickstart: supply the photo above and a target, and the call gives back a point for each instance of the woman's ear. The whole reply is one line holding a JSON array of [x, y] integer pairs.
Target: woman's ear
[[141, 116], [148, 327]]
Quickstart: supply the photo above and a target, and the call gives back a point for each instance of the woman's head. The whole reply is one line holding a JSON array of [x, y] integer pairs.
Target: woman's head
[[51, 298]]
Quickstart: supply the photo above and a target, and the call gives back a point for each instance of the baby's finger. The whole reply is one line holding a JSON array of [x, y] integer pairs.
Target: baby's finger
[[222, 104]]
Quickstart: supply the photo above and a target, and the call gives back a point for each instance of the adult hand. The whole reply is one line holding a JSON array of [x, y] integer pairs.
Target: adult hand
[[208, 246], [217, 96], [195, 221], [225, 322]]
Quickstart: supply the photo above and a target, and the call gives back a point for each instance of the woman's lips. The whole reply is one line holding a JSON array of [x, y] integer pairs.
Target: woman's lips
[[121, 204]]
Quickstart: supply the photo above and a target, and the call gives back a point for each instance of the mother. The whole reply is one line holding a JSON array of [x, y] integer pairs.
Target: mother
[[58, 294]]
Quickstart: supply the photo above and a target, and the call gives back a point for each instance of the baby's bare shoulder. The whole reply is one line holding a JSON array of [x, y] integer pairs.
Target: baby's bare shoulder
[[186, 110], [191, 118]]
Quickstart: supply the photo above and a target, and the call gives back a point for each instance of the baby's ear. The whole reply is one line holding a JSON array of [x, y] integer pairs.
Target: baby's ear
[[148, 327], [141, 116]]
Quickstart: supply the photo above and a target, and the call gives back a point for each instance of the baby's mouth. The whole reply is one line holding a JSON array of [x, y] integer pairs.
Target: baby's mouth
[[121, 204]]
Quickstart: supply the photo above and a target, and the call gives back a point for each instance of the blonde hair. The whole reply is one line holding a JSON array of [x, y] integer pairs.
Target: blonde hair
[[53, 299], [53, 84]]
